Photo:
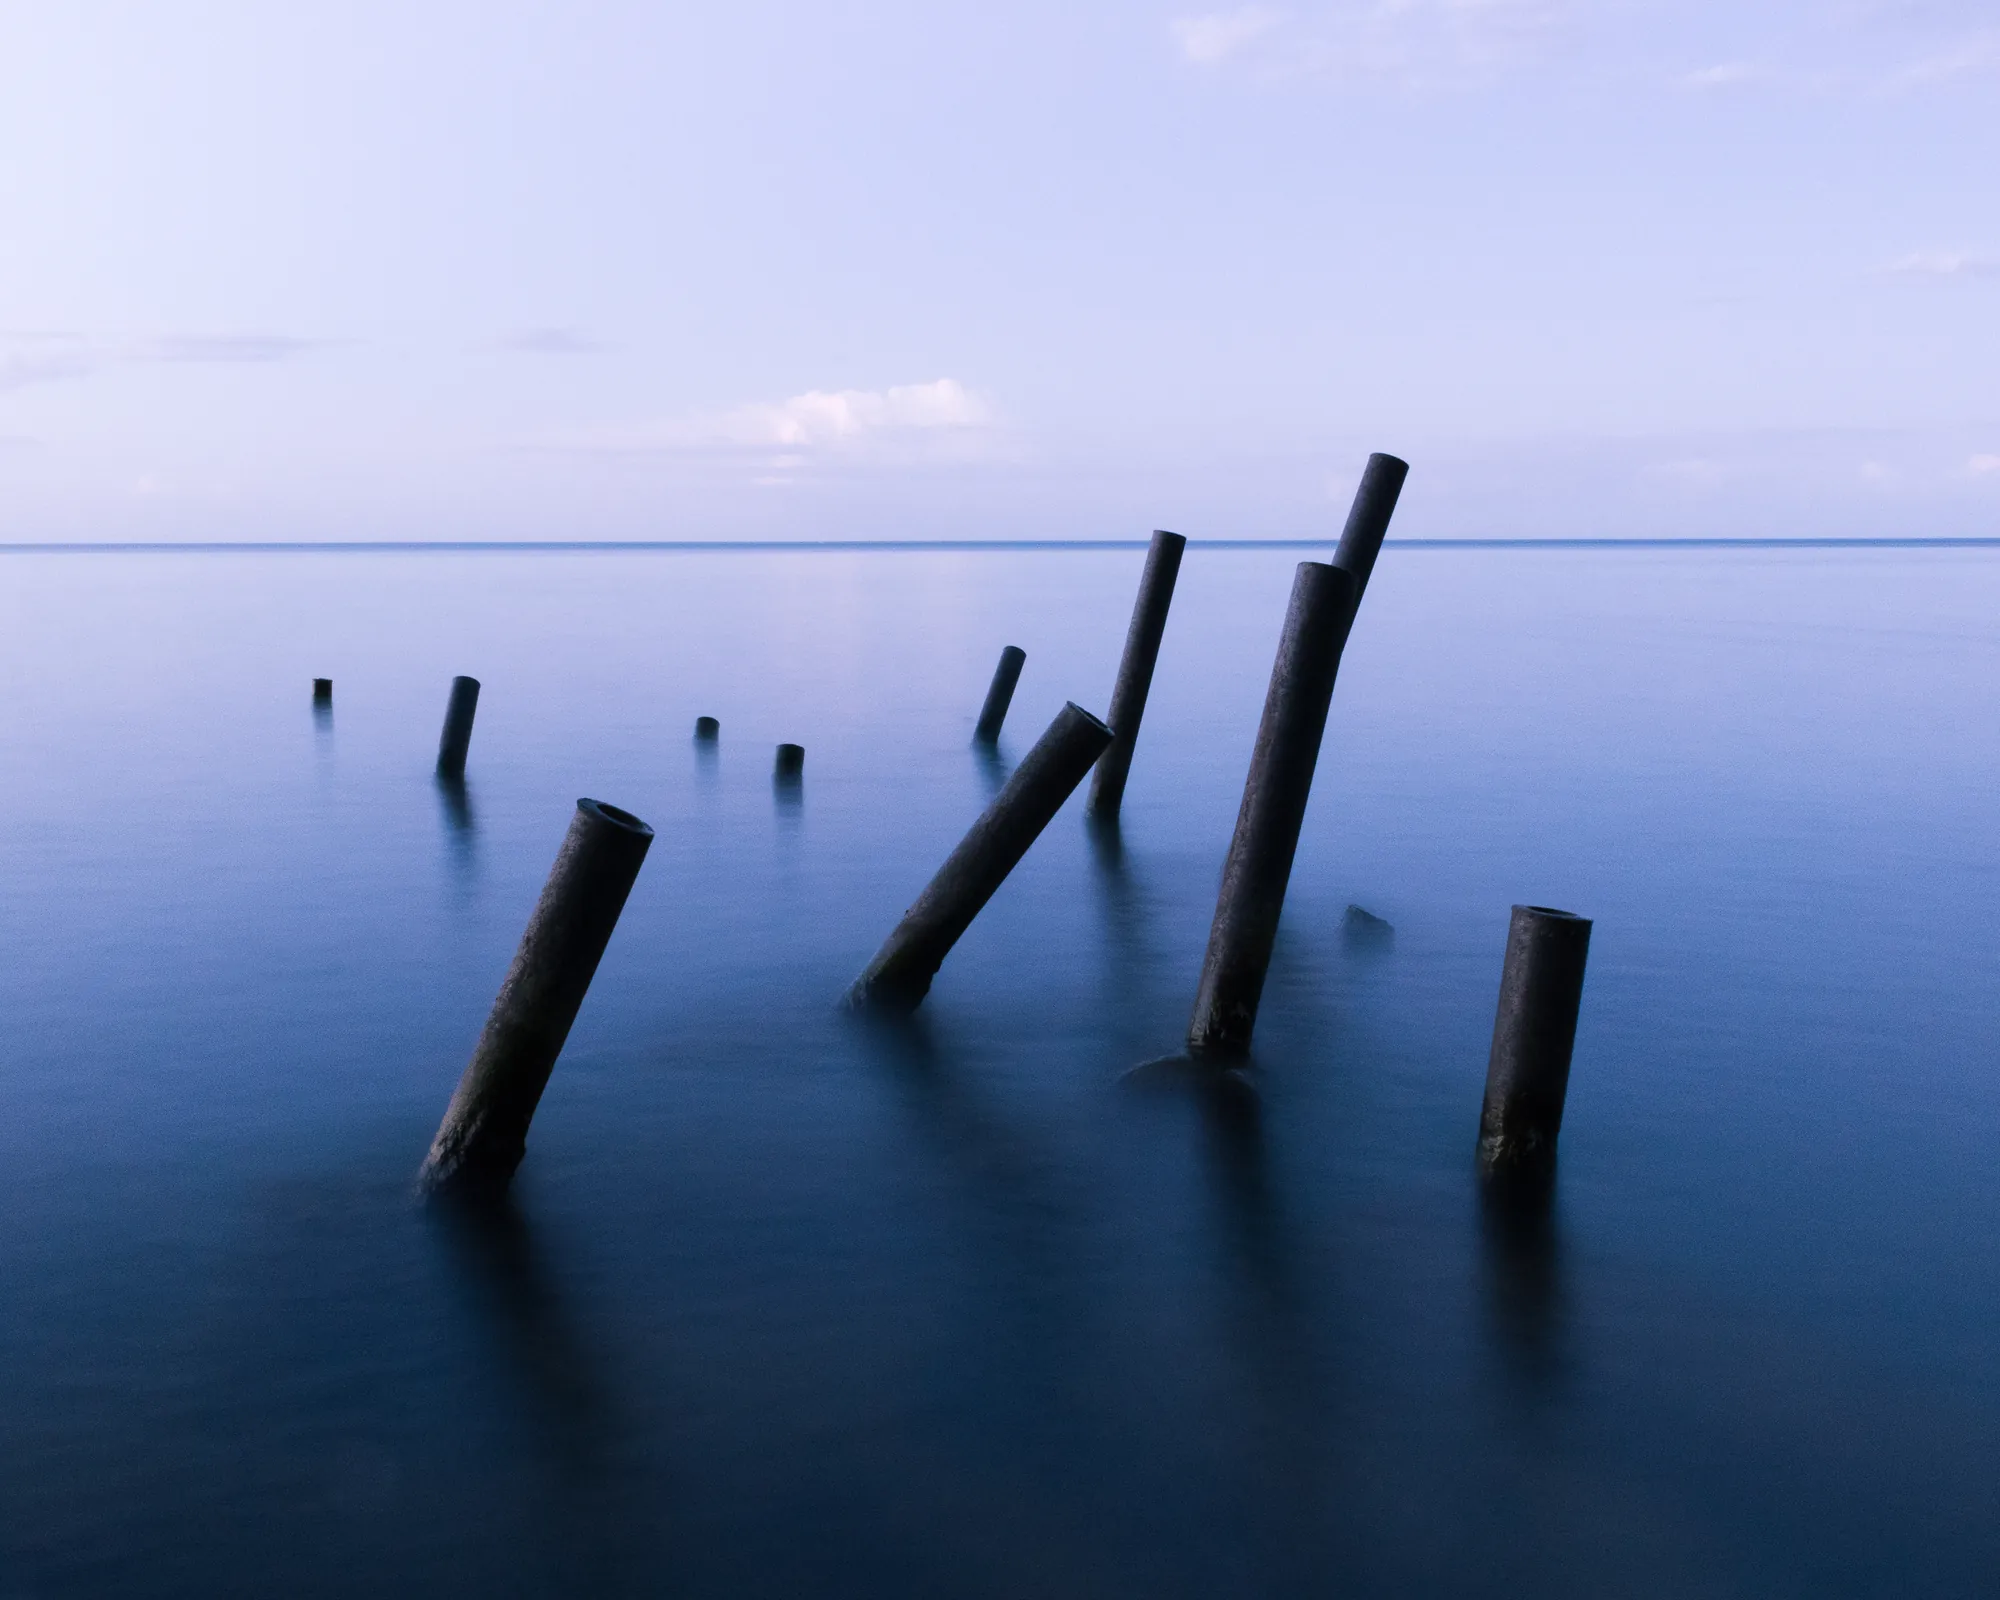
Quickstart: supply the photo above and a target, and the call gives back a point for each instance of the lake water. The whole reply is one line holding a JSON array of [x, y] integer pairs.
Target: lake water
[[789, 1305]]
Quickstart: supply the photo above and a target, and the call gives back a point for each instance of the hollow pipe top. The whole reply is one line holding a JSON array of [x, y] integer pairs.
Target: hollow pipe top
[[604, 812]]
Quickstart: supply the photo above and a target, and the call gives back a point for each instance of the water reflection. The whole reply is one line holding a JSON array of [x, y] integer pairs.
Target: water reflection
[[1524, 1282], [993, 767], [461, 827]]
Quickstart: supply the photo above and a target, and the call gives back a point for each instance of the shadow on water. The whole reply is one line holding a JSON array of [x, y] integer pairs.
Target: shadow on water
[[576, 1434], [461, 827], [993, 767], [1127, 994], [1524, 1284]]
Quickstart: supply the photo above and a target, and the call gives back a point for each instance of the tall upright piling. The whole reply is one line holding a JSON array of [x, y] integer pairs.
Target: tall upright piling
[[457, 736], [485, 1129], [999, 694], [1259, 865], [900, 975], [1135, 671], [1368, 518], [1534, 1035]]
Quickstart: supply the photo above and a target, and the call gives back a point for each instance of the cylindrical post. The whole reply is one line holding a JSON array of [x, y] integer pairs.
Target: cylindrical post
[[322, 691], [1000, 694], [1274, 807], [1534, 1032], [1368, 518], [1135, 670], [900, 975], [457, 735], [485, 1129], [791, 761], [707, 729]]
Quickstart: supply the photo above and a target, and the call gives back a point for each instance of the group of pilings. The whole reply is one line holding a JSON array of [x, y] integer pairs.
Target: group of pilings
[[484, 1132]]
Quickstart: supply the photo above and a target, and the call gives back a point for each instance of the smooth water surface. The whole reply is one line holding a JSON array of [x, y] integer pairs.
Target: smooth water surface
[[788, 1304]]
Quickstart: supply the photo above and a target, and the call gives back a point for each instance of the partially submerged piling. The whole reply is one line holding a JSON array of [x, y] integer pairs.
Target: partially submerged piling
[[457, 736], [1259, 865], [322, 691], [1534, 1035], [485, 1129], [999, 694], [707, 729], [790, 764], [900, 975], [1135, 671]]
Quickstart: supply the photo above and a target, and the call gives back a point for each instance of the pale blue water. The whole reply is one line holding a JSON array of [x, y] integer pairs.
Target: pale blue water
[[790, 1306]]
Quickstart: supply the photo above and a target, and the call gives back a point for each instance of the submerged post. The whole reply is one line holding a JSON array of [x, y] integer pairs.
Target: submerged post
[[1000, 694], [1534, 1033], [1135, 670], [707, 729], [1368, 518], [1259, 865], [485, 1129], [457, 735], [900, 975], [322, 691], [791, 762]]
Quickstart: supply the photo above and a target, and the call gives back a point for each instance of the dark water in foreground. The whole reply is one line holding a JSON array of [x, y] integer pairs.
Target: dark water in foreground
[[788, 1306]]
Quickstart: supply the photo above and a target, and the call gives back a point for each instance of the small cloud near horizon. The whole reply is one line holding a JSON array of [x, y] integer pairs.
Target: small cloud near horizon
[[551, 342], [1723, 75], [1206, 40], [818, 420], [1944, 264], [1983, 466]]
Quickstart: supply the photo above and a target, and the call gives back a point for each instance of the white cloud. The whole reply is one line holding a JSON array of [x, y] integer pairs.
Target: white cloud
[[1983, 466], [551, 342], [1723, 75], [1971, 54], [1945, 264], [786, 434], [1221, 34]]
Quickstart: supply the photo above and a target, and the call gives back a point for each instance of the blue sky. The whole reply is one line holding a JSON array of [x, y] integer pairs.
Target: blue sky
[[601, 270]]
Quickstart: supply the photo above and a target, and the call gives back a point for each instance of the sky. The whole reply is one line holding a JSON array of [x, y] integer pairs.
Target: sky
[[868, 269]]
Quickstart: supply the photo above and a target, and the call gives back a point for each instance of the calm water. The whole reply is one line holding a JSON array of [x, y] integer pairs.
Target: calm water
[[791, 1306]]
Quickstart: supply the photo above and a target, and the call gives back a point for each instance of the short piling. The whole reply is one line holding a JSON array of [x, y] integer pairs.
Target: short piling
[[485, 1129], [1259, 865], [1000, 694], [457, 736], [1135, 671], [322, 691], [707, 729], [791, 762], [1368, 518], [900, 975], [1534, 1034]]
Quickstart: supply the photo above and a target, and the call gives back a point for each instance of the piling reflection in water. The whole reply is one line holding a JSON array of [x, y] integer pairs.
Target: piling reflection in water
[[461, 828], [1523, 1283]]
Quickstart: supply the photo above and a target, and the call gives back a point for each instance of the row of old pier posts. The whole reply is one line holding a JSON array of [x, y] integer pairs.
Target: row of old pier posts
[[484, 1132]]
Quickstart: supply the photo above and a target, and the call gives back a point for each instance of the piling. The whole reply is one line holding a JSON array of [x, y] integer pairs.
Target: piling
[[1000, 694], [707, 729], [791, 761], [1259, 864], [1135, 671], [900, 975], [457, 735], [485, 1129], [1368, 518], [1534, 1033], [322, 691]]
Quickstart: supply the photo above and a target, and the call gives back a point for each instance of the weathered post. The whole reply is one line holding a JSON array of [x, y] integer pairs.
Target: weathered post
[[791, 762], [457, 735], [1368, 518], [707, 729], [1135, 670], [322, 691], [485, 1129], [999, 694], [1259, 865], [900, 975], [1534, 1033]]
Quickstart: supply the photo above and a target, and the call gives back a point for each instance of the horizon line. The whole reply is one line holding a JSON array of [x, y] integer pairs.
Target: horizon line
[[767, 546]]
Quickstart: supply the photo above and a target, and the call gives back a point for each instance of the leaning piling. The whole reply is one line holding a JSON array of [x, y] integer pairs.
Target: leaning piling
[[1368, 518], [1259, 865], [1135, 671], [999, 694], [485, 1129], [900, 975], [457, 736]]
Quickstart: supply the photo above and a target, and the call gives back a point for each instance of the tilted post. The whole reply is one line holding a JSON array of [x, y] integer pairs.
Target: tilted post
[[1534, 1034], [457, 736], [1135, 671], [999, 694]]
